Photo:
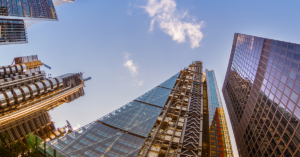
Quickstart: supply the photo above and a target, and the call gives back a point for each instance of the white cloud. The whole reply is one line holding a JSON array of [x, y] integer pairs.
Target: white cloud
[[129, 64], [139, 83], [132, 68], [171, 21], [76, 127], [129, 12]]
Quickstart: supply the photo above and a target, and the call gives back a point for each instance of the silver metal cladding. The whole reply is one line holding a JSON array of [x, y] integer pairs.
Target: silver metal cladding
[[19, 68], [59, 81], [9, 97], [18, 94], [22, 76], [3, 102], [2, 72], [47, 85], [13, 69], [25, 91], [33, 90], [7, 70], [53, 83], [40, 86], [23, 67]]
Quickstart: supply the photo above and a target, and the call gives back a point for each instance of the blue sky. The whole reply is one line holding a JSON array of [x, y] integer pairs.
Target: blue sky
[[112, 41]]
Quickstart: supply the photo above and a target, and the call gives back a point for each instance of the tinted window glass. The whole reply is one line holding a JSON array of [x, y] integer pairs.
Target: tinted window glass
[[297, 48], [289, 54], [278, 44], [296, 57], [291, 46], [284, 45]]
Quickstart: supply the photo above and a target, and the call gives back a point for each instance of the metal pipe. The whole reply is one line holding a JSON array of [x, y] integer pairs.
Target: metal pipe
[[38, 106], [182, 101], [159, 126]]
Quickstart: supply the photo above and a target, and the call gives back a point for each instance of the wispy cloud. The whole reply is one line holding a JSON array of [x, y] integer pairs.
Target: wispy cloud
[[129, 64], [174, 22], [132, 68], [139, 83], [129, 12]]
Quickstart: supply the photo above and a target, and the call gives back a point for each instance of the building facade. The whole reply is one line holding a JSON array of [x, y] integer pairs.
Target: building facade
[[179, 117], [261, 90], [16, 16], [26, 96]]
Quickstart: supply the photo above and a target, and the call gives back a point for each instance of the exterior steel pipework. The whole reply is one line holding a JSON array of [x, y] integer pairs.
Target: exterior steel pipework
[[31, 90], [26, 95]]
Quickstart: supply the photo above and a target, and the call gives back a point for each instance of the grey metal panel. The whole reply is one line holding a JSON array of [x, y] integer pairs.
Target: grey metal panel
[[23, 67], [54, 83], [19, 68], [18, 94], [42, 72], [7, 70], [41, 87], [15, 77], [2, 80], [46, 84], [2, 71], [13, 69], [9, 96], [33, 89], [26, 91], [59, 81], [3, 102], [22, 76], [8, 79]]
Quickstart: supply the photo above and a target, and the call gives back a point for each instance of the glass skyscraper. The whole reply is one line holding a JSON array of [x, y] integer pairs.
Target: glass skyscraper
[[17, 15], [182, 116], [261, 90]]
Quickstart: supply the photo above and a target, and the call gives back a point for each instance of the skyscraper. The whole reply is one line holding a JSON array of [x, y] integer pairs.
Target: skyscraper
[[16, 16], [261, 90], [182, 116], [27, 94]]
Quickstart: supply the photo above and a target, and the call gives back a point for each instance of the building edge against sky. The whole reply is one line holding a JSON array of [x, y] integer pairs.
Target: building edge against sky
[[179, 117], [15, 18], [261, 90]]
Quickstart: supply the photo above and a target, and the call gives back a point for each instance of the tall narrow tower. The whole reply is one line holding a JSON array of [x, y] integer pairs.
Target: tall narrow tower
[[261, 90], [179, 117], [27, 94]]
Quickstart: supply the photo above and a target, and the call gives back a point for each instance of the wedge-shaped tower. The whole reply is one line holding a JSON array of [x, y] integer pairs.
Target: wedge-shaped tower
[[166, 121], [26, 96]]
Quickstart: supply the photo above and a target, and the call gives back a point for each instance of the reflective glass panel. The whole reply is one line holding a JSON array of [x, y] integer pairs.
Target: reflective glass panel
[[28, 8], [157, 96], [97, 139], [169, 83], [134, 117]]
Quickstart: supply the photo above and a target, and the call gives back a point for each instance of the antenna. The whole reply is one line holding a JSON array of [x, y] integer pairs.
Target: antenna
[[86, 79], [69, 126], [47, 66]]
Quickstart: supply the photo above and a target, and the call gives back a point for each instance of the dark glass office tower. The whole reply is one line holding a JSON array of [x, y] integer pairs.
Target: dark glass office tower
[[16, 16], [182, 116], [12, 31], [261, 90]]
